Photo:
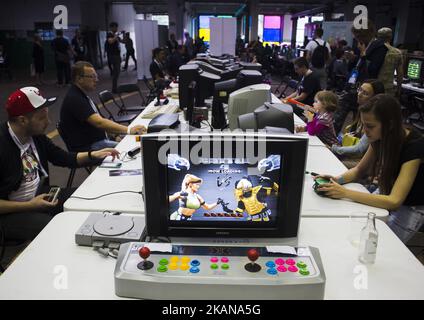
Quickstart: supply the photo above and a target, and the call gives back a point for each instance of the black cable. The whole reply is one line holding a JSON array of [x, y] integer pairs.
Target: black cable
[[107, 194], [210, 126]]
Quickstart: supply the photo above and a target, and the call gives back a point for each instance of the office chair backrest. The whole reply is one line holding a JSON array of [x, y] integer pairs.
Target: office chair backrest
[[105, 97], [129, 88]]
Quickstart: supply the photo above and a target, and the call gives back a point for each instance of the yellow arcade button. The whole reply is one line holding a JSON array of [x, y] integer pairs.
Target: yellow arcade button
[[173, 266], [174, 259], [185, 260], [184, 267]]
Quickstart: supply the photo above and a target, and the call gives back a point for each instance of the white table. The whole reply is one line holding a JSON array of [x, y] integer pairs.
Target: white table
[[54, 267], [320, 160], [323, 161]]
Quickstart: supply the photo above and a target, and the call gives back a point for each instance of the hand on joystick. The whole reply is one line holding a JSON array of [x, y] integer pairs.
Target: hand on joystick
[[144, 253], [253, 255]]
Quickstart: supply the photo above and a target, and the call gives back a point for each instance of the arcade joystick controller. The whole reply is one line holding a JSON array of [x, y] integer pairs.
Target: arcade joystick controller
[[144, 253], [253, 255], [204, 271]]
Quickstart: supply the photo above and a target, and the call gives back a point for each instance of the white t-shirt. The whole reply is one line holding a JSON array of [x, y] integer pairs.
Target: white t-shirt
[[312, 45], [31, 167]]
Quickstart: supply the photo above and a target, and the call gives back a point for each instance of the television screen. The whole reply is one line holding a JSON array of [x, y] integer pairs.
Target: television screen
[[224, 189], [272, 22], [272, 35], [414, 69], [223, 185]]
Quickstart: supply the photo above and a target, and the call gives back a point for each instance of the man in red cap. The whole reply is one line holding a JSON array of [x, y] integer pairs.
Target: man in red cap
[[24, 157]]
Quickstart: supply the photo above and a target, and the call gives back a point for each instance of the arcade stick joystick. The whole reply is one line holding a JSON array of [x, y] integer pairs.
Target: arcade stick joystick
[[253, 255], [144, 254]]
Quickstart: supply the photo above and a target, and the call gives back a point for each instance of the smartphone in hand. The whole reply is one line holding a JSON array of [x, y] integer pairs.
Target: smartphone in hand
[[53, 194]]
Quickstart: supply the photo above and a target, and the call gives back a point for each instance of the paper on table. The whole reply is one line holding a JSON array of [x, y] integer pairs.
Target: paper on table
[[281, 249], [160, 247]]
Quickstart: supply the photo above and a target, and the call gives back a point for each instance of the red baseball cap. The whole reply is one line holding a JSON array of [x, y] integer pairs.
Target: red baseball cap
[[26, 100]]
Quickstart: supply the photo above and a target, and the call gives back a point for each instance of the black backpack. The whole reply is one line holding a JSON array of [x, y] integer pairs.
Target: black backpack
[[320, 55]]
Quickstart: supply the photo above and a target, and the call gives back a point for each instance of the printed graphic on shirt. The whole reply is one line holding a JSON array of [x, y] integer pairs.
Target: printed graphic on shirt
[[30, 165]]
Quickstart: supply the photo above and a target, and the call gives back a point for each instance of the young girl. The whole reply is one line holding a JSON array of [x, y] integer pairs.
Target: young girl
[[395, 157], [320, 123]]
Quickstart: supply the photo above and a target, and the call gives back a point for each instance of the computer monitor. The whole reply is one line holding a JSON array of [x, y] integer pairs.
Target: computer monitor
[[415, 70], [226, 185], [204, 84], [224, 88], [225, 74], [276, 115], [206, 67], [186, 74], [245, 100]]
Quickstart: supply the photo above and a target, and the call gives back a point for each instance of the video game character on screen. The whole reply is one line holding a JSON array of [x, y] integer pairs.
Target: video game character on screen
[[189, 199], [231, 189]]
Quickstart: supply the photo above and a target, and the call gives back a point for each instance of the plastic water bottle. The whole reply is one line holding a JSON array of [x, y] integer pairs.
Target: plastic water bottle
[[368, 242]]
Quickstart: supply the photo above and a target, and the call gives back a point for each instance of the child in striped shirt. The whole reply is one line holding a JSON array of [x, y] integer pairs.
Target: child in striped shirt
[[320, 123]]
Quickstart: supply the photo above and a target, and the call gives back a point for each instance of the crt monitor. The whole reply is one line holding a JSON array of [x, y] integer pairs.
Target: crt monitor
[[225, 74], [415, 70], [204, 84], [186, 75], [223, 185], [244, 78], [246, 100], [223, 89], [276, 115]]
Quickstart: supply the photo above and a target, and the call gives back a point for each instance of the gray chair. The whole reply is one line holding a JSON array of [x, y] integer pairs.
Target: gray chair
[[106, 97], [290, 83], [130, 88]]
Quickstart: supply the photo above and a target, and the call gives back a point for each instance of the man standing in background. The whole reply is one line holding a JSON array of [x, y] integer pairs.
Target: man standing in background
[[129, 46], [319, 55], [392, 62], [113, 51]]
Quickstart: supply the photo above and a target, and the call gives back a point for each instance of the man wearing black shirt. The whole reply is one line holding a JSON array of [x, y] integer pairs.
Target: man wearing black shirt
[[308, 86], [80, 120], [79, 47], [129, 46], [62, 52], [114, 53], [176, 60]]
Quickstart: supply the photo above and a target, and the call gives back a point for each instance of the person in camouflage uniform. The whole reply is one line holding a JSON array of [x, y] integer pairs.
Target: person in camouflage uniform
[[392, 62]]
